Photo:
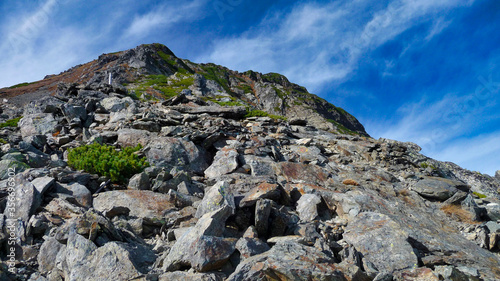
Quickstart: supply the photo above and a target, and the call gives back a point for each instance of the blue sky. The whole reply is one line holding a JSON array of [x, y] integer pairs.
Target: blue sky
[[424, 71]]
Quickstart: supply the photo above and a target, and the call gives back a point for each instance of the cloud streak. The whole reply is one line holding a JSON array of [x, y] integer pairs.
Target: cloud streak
[[164, 16], [325, 43]]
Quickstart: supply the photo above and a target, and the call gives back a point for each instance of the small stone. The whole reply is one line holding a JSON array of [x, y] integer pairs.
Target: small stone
[[262, 212], [307, 207], [139, 182]]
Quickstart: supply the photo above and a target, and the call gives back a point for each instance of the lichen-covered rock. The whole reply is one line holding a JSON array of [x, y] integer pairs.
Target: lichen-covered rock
[[225, 161], [381, 241], [142, 203], [293, 261]]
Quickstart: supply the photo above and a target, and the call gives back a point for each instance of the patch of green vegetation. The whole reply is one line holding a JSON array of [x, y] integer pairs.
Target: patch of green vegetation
[[276, 108], [426, 165], [170, 87], [2, 141], [274, 78], [341, 128], [217, 74], [297, 103], [246, 88], [260, 113], [280, 93], [228, 103], [479, 195], [11, 122], [21, 85], [178, 65], [105, 160]]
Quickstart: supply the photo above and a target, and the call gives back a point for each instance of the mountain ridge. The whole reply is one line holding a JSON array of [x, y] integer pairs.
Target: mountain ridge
[[135, 69]]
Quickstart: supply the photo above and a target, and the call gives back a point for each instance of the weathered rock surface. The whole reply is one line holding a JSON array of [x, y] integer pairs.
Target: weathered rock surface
[[227, 197], [382, 242], [142, 203]]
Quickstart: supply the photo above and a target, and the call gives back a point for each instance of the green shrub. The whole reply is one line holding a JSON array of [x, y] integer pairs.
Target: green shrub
[[105, 160], [10, 123], [260, 113], [2, 141]]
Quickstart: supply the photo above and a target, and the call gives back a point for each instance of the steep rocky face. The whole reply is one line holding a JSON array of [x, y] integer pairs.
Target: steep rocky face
[[227, 196], [154, 72]]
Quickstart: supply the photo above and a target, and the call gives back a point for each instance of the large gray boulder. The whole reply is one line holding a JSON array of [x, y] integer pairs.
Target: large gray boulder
[[8, 168], [438, 188], [293, 261], [307, 207], [225, 161], [48, 254], [37, 124], [25, 199], [174, 152], [217, 196], [202, 246], [381, 241], [113, 261], [114, 104], [142, 203]]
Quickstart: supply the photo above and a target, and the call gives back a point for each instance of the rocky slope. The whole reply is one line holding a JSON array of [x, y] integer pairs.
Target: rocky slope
[[153, 72], [228, 195]]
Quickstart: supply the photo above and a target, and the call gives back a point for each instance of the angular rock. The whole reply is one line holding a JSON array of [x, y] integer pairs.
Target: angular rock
[[142, 203], [81, 194], [416, 274], [37, 124], [469, 205], [71, 112], [62, 208], [133, 137], [113, 261], [172, 152], [262, 191], [9, 168], [293, 261], [225, 162], [192, 248], [382, 242], [493, 211], [307, 207], [115, 104], [438, 188], [262, 212], [251, 246], [183, 276], [226, 111], [139, 182], [43, 184], [217, 196], [25, 200], [48, 253]]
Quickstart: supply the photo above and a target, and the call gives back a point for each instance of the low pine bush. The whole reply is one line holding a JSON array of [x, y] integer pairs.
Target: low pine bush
[[105, 160]]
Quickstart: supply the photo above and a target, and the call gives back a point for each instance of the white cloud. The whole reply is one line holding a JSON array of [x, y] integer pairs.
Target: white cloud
[[477, 153], [164, 16], [318, 43]]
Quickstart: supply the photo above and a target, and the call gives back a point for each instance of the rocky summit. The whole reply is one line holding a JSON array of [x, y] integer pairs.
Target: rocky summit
[[143, 166]]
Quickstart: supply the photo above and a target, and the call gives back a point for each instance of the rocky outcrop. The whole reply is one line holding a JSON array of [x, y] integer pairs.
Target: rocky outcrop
[[228, 196]]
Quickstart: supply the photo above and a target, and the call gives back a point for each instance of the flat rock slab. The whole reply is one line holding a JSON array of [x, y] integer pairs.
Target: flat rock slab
[[142, 203], [226, 111], [225, 161], [382, 242], [292, 261], [438, 188]]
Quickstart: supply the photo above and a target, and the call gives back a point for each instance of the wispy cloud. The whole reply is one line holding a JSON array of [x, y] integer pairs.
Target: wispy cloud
[[318, 43], [164, 16]]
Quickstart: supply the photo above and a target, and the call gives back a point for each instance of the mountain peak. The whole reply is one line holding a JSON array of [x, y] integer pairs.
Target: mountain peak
[[154, 72]]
